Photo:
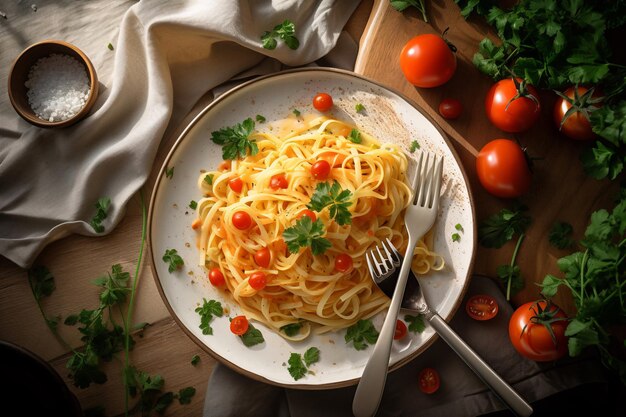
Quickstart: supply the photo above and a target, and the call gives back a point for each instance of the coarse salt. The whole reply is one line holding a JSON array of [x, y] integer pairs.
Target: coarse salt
[[58, 87]]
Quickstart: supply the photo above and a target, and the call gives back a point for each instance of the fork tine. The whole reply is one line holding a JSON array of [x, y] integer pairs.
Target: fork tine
[[415, 187], [437, 188], [434, 182], [392, 254], [424, 185], [375, 262], [369, 264]]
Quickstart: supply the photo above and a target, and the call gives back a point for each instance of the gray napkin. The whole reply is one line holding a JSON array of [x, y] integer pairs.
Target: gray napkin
[[461, 392], [167, 55]]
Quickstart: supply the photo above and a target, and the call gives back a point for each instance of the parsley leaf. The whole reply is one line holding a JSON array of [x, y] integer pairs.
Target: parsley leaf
[[416, 323], [311, 356], [209, 179], [169, 172], [235, 140], [291, 329], [296, 368], [284, 31], [207, 311], [359, 107], [260, 118], [414, 146], [185, 395], [355, 136], [193, 204], [401, 5], [459, 227], [306, 233], [511, 278], [172, 257], [560, 235], [456, 237], [502, 226], [42, 285], [252, 336], [296, 112], [115, 286], [195, 359], [102, 207], [335, 198], [361, 333]]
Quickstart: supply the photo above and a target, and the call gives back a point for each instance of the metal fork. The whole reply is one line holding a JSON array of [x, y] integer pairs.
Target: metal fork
[[384, 272], [419, 217]]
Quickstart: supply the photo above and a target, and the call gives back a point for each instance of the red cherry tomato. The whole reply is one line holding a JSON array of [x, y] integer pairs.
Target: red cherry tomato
[[512, 114], [450, 108], [239, 325], [481, 307], [502, 169], [278, 181], [322, 102], [320, 170], [308, 213], [235, 184], [343, 262], [529, 333], [262, 257], [242, 220], [577, 125], [216, 277], [427, 61], [224, 165], [401, 330], [429, 380], [258, 280]]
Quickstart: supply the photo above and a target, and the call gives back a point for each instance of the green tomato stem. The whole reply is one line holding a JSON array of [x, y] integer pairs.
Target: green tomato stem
[[517, 246]]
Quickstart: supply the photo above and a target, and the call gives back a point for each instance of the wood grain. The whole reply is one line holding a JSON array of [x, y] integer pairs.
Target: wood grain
[[561, 191]]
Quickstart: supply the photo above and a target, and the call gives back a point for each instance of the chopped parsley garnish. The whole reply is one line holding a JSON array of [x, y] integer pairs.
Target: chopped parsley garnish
[[195, 360], [284, 31], [306, 232], [207, 311], [260, 118], [459, 227], [335, 198], [291, 329], [172, 257], [297, 367], [185, 395], [361, 334], [208, 178], [456, 237], [416, 323], [359, 107], [355, 136], [102, 207], [561, 235], [311, 356], [235, 140], [169, 173], [252, 336], [193, 204], [414, 146], [297, 112], [110, 46]]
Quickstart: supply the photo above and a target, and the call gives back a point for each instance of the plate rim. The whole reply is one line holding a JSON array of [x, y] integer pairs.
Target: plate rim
[[191, 125]]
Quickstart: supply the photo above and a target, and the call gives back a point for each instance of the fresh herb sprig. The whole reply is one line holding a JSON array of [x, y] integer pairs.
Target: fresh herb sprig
[[102, 210], [560, 235], [207, 310], [401, 5], [42, 285], [306, 233], [416, 323], [252, 336], [299, 367], [596, 278], [362, 334], [285, 31], [235, 140], [335, 198], [174, 260]]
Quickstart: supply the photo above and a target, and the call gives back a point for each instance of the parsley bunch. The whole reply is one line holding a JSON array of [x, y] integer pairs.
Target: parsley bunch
[[336, 199], [285, 31], [596, 277], [235, 140]]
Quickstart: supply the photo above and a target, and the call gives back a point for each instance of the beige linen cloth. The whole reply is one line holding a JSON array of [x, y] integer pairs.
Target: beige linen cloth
[[167, 54]]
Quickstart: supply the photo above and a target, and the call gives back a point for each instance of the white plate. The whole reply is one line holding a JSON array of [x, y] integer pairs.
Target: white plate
[[389, 117]]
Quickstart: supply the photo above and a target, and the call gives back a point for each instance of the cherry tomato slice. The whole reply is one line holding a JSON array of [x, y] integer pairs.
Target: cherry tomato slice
[[320, 170], [343, 262], [262, 257], [239, 325], [322, 102], [278, 181], [235, 184], [401, 330], [308, 213], [429, 380], [481, 307], [450, 108], [216, 277], [258, 280], [242, 220]]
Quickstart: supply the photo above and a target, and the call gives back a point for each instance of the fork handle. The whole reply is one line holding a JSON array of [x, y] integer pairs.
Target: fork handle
[[370, 389], [503, 390]]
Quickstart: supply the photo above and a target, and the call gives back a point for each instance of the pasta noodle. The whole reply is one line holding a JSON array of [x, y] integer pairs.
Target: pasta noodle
[[302, 287]]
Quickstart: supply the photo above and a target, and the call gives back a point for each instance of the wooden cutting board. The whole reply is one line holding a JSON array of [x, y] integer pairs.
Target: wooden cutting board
[[560, 192]]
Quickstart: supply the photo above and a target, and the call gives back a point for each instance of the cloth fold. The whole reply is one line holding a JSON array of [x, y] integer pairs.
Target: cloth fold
[[461, 394], [169, 53]]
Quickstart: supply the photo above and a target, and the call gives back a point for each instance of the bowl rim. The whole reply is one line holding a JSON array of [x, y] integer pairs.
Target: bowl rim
[[93, 84]]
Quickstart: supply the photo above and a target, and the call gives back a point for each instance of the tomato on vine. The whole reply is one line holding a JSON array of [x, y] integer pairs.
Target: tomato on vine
[[512, 105], [503, 169], [572, 109], [537, 331], [428, 60]]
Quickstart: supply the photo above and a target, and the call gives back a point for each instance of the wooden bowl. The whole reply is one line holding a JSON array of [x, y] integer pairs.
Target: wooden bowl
[[19, 75]]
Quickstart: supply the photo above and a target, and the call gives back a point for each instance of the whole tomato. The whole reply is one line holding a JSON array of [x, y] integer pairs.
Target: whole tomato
[[572, 109], [512, 105], [428, 61], [537, 331], [502, 169]]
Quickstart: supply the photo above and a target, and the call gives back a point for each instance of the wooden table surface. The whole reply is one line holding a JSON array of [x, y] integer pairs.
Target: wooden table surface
[[561, 191]]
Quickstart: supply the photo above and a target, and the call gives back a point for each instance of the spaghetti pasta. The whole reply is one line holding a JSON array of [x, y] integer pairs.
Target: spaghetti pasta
[[301, 287]]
